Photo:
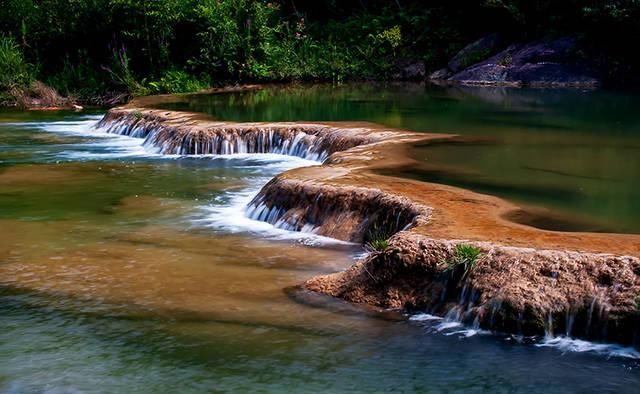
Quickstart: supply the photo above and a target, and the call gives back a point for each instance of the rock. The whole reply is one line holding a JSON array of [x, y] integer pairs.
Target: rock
[[440, 74], [477, 50], [471, 54], [524, 291], [539, 63]]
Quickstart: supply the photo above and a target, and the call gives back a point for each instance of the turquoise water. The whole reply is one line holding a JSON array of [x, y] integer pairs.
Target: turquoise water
[[122, 270]]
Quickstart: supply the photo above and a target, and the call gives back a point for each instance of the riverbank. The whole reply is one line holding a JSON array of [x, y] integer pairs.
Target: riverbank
[[552, 278]]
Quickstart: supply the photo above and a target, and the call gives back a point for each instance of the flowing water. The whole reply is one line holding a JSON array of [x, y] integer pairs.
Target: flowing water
[[123, 270], [572, 157]]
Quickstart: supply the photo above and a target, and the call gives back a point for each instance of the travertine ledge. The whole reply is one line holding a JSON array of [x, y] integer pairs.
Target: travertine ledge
[[527, 281]]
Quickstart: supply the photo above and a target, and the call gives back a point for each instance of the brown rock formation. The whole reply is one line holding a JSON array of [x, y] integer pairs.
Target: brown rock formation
[[526, 280], [511, 289]]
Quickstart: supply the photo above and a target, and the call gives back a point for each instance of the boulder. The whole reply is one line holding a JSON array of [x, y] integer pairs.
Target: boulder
[[539, 63], [471, 54]]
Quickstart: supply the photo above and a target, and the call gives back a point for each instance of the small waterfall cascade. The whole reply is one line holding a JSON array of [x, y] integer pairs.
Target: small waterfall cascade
[[311, 142], [468, 319], [347, 214], [278, 217], [570, 325], [510, 290]]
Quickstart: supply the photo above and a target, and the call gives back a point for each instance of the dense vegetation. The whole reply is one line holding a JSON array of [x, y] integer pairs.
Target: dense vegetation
[[90, 48]]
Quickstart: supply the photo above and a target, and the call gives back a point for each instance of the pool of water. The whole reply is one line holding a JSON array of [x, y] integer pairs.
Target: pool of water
[[572, 157], [122, 270]]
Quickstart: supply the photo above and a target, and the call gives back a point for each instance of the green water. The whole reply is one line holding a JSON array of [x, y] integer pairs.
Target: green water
[[123, 271], [574, 153]]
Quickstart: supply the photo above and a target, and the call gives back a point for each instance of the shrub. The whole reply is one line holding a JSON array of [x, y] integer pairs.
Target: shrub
[[14, 70], [391, 37], [121, 73], [78, 76], [177, 81]]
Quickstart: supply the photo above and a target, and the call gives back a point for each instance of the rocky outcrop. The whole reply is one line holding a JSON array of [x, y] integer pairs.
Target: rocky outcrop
[[470, 55], [539, 63], [511, 289]]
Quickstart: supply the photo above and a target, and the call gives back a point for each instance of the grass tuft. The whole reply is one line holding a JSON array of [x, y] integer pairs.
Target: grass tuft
[[465, 256], [377, 239]]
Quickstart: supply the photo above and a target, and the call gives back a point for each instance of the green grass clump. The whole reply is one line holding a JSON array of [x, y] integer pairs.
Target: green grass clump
[[465, 256], [377, 239]]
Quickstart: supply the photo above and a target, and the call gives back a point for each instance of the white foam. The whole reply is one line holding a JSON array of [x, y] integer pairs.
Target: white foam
[[446, 325], [424, 317], [231, 216], [568, 344], [229, 213], [467, 332], [565, 344], [100, 146]]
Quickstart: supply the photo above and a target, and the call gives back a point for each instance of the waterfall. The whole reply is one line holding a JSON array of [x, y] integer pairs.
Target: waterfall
[[222, 141], [172, 135]]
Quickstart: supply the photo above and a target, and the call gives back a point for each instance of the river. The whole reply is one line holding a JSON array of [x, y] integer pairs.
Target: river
[[122, 270]]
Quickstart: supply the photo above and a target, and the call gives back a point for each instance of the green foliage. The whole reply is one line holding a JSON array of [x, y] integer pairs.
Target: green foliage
[[233, 36], [77, 77], [177, 81], [465, 257], [391, 37], [14, 70], [181, 45]]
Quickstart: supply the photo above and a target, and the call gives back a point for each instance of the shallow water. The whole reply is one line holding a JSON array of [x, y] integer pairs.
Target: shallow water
[[125, 271], [572, 154]]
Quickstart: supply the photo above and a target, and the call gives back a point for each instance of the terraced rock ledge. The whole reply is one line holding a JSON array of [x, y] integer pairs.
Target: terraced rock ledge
[[525, 281]]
